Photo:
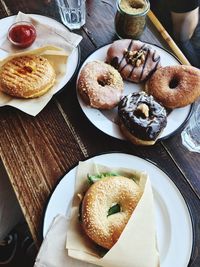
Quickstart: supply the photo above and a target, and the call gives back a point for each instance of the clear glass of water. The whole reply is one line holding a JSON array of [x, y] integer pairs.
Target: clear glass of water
[[72, 13], [191, 134]]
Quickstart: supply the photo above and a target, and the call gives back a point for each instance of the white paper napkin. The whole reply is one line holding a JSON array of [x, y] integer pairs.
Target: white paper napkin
[[47, 37], [52, 252]]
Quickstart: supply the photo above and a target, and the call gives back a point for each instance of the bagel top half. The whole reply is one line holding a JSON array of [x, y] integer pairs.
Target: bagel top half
[[27, 76], [102, 228]]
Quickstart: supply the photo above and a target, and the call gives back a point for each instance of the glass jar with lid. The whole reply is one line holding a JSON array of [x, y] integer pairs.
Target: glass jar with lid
[[130, 19]]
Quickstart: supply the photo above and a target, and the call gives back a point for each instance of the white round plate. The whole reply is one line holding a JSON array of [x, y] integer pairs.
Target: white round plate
[[73, 60], [106, 121], [173, 222]]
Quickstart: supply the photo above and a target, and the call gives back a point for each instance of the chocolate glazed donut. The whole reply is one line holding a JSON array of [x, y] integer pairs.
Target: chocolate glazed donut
[[141, 118], [135, 60]]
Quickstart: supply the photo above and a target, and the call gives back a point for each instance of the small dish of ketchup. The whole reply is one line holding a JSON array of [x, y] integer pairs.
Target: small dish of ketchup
[[22, 34]]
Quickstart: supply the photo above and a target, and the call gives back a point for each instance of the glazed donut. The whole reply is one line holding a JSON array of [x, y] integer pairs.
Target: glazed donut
[[141, 118], [100, 85], [105, 230], [175, 86], [135, 60]]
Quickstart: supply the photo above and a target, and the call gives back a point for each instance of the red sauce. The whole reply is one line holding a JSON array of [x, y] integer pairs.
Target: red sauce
[[22, 35]]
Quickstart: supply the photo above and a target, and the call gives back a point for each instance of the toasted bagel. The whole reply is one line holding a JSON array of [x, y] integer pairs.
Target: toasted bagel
[[105, 230], [27, 76]]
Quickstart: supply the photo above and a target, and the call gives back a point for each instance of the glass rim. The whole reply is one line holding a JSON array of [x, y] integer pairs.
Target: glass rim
[[63, 5], [133, 15]]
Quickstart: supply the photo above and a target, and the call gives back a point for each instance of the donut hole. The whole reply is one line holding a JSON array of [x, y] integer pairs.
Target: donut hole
[[142, 111], [139, 114], [115, 208], [104, 81], [174, 82]]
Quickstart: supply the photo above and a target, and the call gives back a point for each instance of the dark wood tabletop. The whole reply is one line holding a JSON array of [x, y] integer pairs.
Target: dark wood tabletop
[[38, 151]]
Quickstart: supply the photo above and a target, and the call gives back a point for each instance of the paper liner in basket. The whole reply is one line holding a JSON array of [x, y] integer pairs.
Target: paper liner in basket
[[136, 246]]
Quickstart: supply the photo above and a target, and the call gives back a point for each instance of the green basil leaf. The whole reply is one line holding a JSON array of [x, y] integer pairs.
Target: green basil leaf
[[94, 178], [114, 209]]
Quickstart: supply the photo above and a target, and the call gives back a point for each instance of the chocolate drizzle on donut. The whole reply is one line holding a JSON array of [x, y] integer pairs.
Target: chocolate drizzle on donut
[[145, 62], [116, 63], [127, 57], [128, 49], [154, 58], [157, 60], [142, 115], [137, 59]]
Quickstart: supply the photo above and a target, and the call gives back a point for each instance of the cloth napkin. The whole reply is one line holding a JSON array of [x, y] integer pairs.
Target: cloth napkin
[[52, 252], [49, 40]]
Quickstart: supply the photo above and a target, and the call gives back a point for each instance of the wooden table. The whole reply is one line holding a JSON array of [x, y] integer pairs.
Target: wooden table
[[37, 151]]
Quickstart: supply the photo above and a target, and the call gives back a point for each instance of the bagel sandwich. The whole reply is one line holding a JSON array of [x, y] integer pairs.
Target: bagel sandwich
[[107, 207]]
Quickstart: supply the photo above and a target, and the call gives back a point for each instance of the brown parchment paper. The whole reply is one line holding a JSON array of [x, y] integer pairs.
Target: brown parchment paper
[[136, 246]]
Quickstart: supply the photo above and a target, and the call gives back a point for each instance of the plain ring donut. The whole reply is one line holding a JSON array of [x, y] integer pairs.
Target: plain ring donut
[[175, 86], [100, 85], [105, 230]]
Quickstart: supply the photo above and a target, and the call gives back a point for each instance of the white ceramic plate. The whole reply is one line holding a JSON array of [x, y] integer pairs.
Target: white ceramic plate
[[73, 59], [106, 121], [173, 222]]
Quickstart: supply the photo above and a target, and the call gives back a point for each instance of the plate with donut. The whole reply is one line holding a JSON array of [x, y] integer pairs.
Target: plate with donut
[[174, 230], [134, 90]]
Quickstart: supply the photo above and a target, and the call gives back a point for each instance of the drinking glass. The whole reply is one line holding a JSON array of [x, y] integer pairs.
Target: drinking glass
[[72, 13], [191, 134]]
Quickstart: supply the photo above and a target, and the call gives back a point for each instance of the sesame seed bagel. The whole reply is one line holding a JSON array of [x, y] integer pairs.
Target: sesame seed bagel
[[100, 85], [105, 230], [27, 76]]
